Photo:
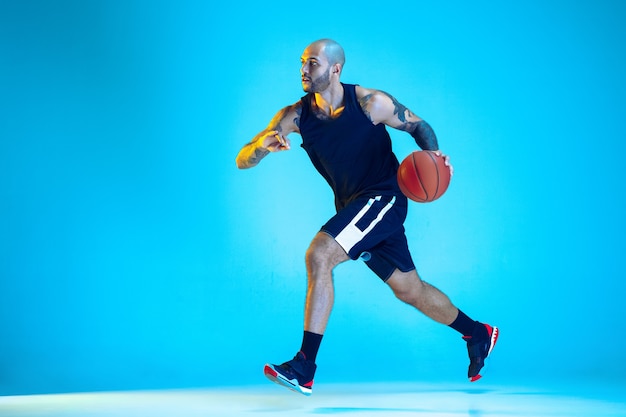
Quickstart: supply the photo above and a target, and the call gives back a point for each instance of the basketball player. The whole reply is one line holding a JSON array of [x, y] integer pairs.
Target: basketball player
[[343, 129]]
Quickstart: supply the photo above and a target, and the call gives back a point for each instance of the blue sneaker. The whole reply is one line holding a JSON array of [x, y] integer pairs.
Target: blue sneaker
[[479, 346], [296, 374]]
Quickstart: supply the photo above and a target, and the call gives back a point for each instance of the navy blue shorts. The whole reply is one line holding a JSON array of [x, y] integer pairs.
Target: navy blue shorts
[[373, 228]]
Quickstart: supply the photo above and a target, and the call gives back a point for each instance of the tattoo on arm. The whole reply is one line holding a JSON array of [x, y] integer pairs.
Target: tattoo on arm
[[421, 131], [275, 124], [364, 102], [259, 153], [282, 115], [399, 110], [296, 120], [402, 111], [424, 136], [250, 155], [253, 152]]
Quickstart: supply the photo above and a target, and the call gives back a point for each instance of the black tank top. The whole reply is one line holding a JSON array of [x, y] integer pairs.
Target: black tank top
[[351, 153]]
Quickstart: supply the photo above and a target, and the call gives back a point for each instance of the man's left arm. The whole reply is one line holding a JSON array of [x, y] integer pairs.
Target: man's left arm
[[382, 107]]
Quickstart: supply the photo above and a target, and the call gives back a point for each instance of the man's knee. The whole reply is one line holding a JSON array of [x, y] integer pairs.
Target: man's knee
[[407, 286], [313, 256], [324, 253]]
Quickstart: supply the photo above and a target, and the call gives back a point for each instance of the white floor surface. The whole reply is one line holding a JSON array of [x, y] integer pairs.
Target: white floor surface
[[394, 400]]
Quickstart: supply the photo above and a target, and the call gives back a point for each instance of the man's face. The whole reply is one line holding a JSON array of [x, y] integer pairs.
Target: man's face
[[315, 70]]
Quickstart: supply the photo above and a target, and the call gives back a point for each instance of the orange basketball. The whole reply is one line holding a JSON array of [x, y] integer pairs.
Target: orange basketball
[[423, 176]]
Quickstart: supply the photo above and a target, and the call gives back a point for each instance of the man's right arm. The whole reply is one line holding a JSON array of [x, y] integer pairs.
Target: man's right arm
[[271, 139]]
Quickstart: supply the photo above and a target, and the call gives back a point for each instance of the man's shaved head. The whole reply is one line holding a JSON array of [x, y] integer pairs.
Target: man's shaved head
[[332, 50]]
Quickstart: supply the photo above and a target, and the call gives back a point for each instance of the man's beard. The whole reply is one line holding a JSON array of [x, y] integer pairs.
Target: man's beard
[[321, 83]]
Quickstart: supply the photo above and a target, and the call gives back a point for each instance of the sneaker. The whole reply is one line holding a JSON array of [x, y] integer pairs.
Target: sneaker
[[296, 374], [479, 346]]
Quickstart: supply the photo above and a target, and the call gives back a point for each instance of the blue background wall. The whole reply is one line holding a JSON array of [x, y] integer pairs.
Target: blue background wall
[[133, 254]]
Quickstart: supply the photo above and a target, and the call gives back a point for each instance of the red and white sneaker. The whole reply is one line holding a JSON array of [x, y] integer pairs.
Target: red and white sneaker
[[296, 374], [479, 346]]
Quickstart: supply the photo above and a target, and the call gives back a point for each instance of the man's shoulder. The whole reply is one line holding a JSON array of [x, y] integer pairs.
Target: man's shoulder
[[369, 93], [295, 107]]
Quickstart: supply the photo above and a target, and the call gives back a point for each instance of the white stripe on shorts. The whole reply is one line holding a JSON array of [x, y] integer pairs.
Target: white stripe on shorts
[[351, 234]]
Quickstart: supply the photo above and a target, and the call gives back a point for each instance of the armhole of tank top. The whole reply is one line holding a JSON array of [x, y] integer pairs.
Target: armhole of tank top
[[306, 108], [357, 105]]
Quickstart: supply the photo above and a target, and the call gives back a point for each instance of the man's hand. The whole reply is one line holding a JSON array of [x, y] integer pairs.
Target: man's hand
[[273, 141], [262, 144], [446, 160]]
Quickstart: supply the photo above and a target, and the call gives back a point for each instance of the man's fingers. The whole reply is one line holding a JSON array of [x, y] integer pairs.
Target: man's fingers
[[277, 142]]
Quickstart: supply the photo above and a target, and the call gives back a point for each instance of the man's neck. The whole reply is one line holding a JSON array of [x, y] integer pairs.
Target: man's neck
[[330, 101]]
